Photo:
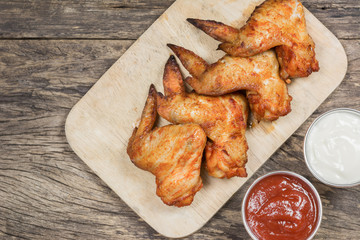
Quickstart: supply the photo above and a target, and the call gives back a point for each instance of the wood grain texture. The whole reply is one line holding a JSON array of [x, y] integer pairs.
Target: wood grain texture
[[40, 80], [78, 19]]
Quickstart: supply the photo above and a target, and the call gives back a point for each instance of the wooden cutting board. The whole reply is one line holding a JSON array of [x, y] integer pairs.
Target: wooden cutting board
[[100, 124]]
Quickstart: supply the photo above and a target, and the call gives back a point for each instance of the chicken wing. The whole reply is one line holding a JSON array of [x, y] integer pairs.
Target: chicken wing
[[275, 23], [222, 118], [267, 92], [172, 153]]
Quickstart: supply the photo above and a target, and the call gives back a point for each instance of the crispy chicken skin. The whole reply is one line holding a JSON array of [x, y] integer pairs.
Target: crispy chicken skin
[[172, 153], [259, 75], [275, 23], [222, 118]]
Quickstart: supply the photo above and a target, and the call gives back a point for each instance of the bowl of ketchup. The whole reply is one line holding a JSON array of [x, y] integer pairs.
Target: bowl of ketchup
[[281, 205]]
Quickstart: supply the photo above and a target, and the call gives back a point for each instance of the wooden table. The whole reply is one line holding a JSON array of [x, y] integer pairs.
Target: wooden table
[[51, 53]]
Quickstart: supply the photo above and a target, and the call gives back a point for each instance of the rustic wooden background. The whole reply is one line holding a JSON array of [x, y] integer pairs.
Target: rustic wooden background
[[51, 53]]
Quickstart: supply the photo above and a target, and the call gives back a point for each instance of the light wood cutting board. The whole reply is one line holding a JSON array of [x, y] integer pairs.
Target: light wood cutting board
[[100, 124]]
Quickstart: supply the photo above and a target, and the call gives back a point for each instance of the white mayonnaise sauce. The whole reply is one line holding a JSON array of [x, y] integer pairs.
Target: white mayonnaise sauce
[[332, 147]]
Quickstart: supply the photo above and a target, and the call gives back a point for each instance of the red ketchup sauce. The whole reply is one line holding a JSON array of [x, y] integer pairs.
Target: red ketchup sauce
[[281, 206]]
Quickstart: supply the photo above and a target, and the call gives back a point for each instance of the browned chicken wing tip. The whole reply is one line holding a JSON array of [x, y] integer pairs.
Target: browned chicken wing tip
[[275, 23]]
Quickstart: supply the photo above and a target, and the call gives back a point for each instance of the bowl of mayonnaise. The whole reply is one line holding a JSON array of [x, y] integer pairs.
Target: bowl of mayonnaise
[[332, 147]]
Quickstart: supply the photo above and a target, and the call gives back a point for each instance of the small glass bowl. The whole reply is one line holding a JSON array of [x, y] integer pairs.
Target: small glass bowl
[[316, 195], [308, 164]]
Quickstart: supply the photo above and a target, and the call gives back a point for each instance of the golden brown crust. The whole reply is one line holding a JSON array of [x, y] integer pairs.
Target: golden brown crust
[[275, 23], [172, 153], [259, 75], [222, 118]]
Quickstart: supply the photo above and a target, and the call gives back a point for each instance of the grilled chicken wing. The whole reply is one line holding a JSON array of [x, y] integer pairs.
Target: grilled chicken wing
[[267, 92], [222, 118], [275, 23], [172, 153]]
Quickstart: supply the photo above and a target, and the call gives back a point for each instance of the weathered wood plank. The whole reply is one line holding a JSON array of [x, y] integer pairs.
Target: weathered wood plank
[[48, 191], [45, 189], [78, 19], [341, 19], [39, 74], [123, 19]]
